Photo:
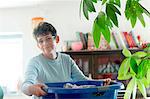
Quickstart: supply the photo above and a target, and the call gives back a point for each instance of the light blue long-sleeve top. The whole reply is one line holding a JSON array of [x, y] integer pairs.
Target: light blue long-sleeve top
[[43, 70]]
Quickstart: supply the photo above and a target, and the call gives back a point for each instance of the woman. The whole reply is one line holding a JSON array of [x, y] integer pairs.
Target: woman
[[49, 66]]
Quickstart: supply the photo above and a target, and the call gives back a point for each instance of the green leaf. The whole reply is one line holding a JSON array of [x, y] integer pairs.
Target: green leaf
[[148, 56], [114, 9], [115, 2], [127, 9], [124, 77], [94, 1], [133, 19], [145, 11], [138, 9], [85, 10], [139, 54], [109, 23], [133, 65], [111, 14], [138, 61], [141, 18], [145, 82], [127, 14], [148, 76], [96, 34], [106, 34], [118, 3], [103, 27], [124, 68], [126, 52], [147, 49], [142, 88], [134, 90], [130, 88], [101, 20], [142, 69], [103, 1], [111, 1], [132, 72], [148, 63], [90, 5], [128, 4]]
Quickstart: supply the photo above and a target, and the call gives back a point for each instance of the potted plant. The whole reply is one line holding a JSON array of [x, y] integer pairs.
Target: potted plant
[[136, 68]]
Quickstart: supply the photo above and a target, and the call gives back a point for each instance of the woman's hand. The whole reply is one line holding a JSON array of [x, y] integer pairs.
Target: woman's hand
[[37, 90], [107, 81]]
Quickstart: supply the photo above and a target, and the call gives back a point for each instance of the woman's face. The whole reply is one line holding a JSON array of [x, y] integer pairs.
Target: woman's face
[[46, 43]]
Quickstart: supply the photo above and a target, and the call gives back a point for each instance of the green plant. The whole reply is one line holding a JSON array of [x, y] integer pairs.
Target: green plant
[[136, 68], [107, 18]]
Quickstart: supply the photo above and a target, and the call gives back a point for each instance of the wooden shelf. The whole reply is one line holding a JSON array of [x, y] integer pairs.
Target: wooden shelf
[[92, 61]]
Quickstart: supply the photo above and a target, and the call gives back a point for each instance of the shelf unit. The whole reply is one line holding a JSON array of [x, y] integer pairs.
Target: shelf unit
[[99, 63]]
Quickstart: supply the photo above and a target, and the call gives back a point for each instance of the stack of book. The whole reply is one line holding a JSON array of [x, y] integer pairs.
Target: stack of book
[[119, 40], [124, 40], [88, 42]]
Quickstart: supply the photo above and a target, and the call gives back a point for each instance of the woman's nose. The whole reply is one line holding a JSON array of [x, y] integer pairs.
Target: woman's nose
[[45, 43]]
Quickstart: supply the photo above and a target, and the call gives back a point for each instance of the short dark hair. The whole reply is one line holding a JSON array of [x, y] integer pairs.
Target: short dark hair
[[44, 28]]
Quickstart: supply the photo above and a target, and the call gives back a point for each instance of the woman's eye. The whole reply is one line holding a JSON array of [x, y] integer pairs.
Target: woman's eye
[[40, 41], [49, 38]]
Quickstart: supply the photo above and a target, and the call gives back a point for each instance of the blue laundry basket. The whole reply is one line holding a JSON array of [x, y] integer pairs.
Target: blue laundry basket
[[56, 90]]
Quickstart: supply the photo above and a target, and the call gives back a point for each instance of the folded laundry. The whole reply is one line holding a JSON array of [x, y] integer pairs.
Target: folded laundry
[[69, 85]]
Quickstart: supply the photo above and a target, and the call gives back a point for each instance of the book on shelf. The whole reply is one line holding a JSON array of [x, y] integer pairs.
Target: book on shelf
[[115, 40], [83, 40], [135, 39], [126, 36], [86, 39], [121, 42], [124, 39], [130, 39], [83, 37], [112, 43], [118, 40], [90, 43]]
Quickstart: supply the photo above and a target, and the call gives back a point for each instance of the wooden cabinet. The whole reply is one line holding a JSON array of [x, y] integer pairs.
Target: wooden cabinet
[[106, 64], [100, 64], [83, 60]]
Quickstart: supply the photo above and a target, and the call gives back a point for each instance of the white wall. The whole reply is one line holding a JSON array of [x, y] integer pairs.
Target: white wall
[[64, 15]]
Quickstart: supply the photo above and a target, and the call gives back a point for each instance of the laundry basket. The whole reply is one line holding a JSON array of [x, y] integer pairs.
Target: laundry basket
[[56, 90]]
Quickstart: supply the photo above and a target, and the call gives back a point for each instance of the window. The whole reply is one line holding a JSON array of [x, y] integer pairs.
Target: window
[[11, 61]]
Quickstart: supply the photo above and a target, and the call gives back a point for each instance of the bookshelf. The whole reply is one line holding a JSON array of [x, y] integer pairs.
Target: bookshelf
[[99, 63]]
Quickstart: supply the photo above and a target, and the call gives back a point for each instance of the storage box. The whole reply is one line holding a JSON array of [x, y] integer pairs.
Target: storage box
[[56, 90]]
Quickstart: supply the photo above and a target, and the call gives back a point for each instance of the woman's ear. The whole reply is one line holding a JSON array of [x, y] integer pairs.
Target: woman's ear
[[57, 39]]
